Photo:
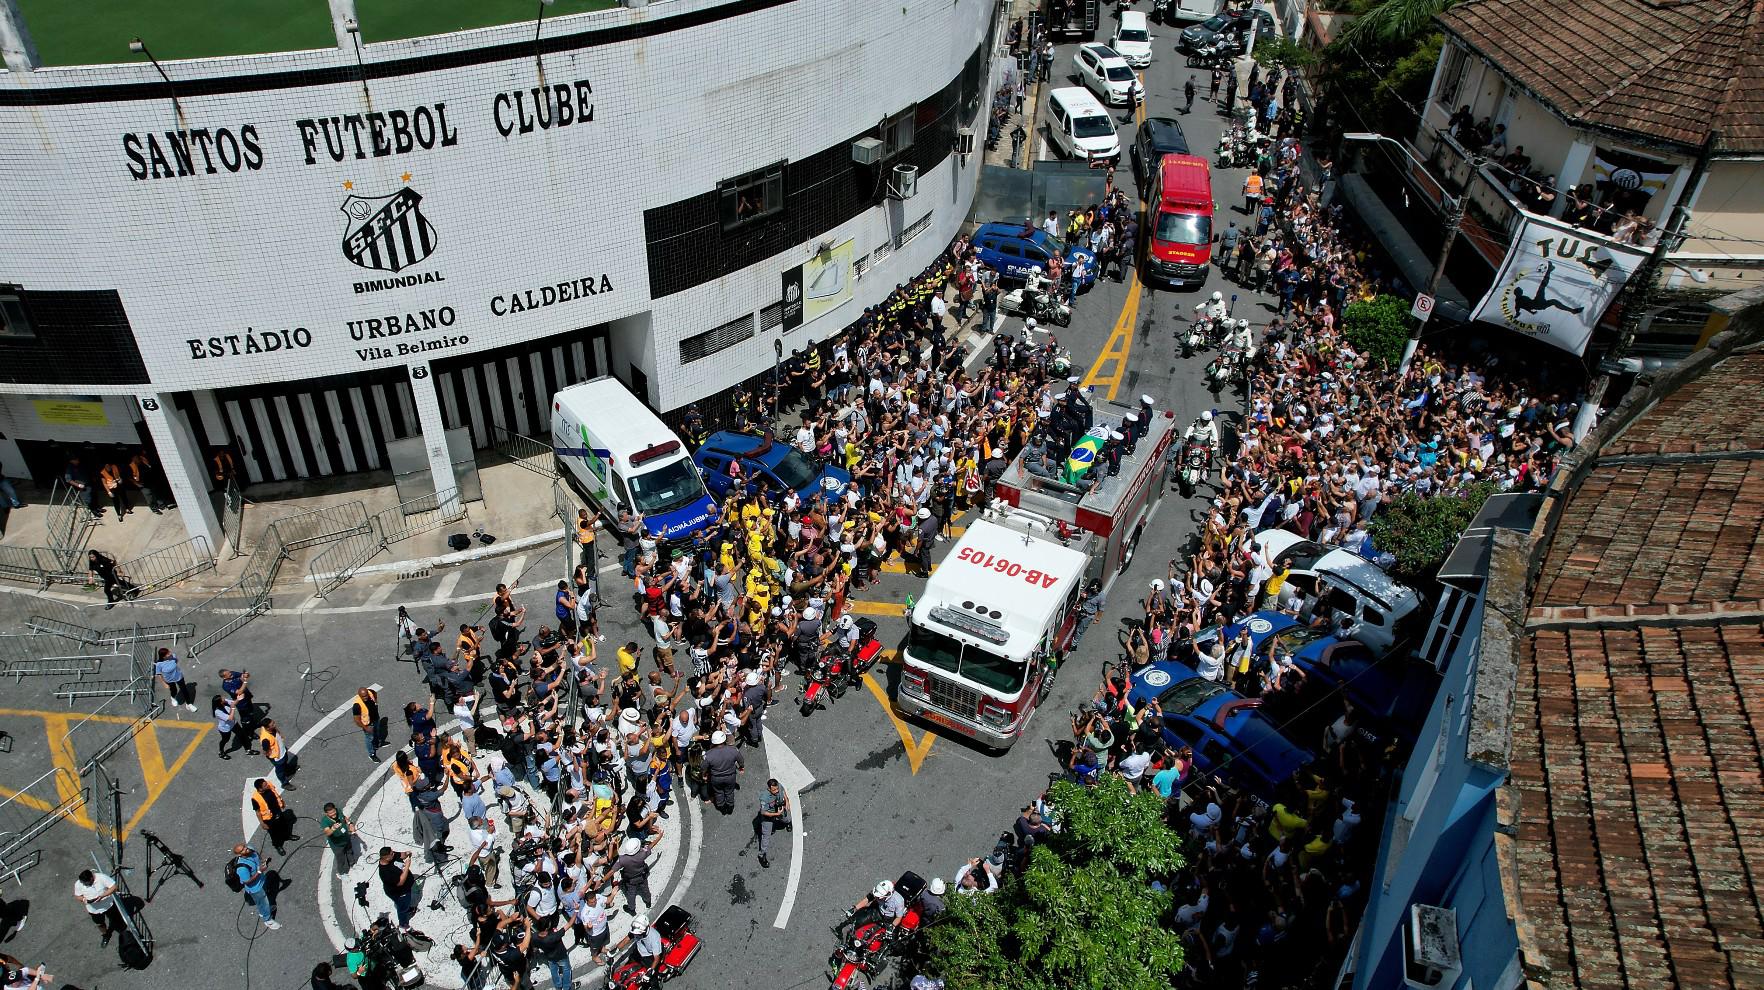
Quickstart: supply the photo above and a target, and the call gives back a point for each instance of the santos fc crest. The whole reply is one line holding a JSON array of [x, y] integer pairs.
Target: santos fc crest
[[388, 233]]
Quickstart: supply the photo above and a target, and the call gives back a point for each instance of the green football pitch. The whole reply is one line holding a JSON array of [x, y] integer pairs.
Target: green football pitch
[[87, 32]]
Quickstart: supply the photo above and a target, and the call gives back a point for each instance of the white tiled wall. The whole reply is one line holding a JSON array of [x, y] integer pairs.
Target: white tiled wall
[[215, 255]]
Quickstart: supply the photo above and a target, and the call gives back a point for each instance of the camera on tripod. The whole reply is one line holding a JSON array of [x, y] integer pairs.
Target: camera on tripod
[[385, 951]]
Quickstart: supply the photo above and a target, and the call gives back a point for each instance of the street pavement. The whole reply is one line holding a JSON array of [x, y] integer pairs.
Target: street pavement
[[887, 795]]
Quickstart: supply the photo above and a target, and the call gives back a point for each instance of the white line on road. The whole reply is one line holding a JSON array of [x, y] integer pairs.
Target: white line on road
[[448, 583], [380, 595], [247, 817], [792, 776], [309, 604], [511, 572]]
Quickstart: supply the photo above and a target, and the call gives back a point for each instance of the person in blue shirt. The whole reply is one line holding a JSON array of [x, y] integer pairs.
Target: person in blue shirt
[[166, 668], [252, 869]]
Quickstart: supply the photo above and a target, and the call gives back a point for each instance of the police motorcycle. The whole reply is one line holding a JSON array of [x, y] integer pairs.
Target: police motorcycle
[[1194, 338], [867, 940], [1229, 368], [840, 669], [680, 944], [1050, 355], [1198, 446], [1037, 298]]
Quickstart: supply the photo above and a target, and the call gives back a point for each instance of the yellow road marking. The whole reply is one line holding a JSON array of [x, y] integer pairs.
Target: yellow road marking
[[1119, 345], [154, 770], [61, 753], [876, 608], [915, 751]]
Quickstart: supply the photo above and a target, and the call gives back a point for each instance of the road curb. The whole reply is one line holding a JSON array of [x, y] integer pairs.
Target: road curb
[[497, 549]]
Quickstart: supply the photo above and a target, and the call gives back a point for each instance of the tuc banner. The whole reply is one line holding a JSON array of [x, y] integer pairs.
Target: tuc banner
[[1556, 282]]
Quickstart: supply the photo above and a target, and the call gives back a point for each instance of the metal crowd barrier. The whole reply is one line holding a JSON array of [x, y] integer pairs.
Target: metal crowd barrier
[[163, 568], [420, 515], [534, 455]]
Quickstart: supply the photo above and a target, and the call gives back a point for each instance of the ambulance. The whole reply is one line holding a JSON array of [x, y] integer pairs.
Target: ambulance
[[991, 626]]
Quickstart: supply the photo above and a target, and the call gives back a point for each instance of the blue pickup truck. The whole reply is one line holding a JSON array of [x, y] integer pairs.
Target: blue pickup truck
[[783, 467], [1228, 732]]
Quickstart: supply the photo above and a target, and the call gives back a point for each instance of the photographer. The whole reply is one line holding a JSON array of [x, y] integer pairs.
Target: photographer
[[395, 880]]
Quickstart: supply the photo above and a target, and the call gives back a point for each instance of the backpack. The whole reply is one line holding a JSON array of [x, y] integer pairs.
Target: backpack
[[234, 884]]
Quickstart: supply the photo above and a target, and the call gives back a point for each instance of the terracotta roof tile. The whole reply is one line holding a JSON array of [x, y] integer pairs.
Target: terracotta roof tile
[[1666, 69]]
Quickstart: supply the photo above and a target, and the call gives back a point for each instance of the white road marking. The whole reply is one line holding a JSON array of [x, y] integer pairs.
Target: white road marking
[[380, 595], [248, 817], [511, 572], [309, 604], [448, 583], [792, 777]]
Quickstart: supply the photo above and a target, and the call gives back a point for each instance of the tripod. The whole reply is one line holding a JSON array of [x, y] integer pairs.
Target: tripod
[[170, 864]]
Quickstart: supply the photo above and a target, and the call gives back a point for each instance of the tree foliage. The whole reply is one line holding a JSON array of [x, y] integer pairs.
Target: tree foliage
[[1377, 327], [1394, 22], [1374, 86], [1060, 926], [1420, 530], [1111, 824], [1283, 53], [1083, 914]]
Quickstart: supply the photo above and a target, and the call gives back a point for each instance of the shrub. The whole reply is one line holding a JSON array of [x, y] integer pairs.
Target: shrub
[[1378, 328]]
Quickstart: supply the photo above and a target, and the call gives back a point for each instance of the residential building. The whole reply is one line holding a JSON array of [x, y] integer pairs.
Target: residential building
[[1583, 807]]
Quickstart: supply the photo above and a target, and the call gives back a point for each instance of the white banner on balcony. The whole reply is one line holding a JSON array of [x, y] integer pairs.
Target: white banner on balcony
[[1557, 281]]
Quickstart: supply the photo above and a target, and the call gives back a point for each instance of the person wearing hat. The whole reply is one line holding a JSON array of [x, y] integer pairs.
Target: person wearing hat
[[723, 766], [774, 813], [753, 705], [930, 903], [632, 866]]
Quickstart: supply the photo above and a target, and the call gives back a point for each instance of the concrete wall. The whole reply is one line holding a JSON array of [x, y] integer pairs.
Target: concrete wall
[[246, 242]]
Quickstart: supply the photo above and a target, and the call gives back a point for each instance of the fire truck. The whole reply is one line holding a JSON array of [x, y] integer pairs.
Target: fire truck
[[998, 613], [991, 625], [1071, 19]]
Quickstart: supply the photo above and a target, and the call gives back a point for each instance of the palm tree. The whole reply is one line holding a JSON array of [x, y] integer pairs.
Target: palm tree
[[1394, 22]]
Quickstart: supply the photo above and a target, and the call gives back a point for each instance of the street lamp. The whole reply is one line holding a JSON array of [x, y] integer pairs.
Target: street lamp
[[1454, 218], [139, 47]]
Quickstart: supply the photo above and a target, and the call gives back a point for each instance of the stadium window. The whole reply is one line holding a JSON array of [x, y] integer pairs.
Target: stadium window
[[14, 322], [897, 133], [754, 196]]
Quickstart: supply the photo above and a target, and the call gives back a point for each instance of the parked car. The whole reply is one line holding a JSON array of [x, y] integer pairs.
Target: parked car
[[1229, 733], [1014, 249], [1394, 694], [1381, 613], [1157, 137], [1103, 71], [1133, 38], [1080, 127], [783, 467], [1226, 34]]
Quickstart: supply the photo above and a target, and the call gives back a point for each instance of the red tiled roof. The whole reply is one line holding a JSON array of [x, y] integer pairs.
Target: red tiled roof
[[1636, 742], [1666, 69]]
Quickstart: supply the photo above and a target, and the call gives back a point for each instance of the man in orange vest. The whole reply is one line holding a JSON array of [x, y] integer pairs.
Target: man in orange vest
[[275, 749], [367, 719], [585, 539]]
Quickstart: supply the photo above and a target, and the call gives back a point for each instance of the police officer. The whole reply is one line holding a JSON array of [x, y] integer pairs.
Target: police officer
[[724, 765], [1036, 460]]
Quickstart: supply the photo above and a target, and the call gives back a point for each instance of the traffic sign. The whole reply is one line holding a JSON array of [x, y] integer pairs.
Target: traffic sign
[[1423, 307]]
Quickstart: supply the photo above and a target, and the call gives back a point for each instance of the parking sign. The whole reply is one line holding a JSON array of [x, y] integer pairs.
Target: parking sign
[[1423, 307]]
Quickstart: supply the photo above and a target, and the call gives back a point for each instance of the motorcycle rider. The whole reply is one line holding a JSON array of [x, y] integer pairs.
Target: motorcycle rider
[[1208, 428], [1212, 309], [884, 902], [645, 940], [1033, 284]]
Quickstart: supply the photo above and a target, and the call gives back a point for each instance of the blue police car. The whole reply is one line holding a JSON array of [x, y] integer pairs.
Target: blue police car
[[1014, 250], [1394, 694], [1230, 735], [783, 467]]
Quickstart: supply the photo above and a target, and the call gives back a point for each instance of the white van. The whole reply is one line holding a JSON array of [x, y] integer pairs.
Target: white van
[[621, 455], [1385, 614], [1080, 126], [1133, 38], [1193, 10]]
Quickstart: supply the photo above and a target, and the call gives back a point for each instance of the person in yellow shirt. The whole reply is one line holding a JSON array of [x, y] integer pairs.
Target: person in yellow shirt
[[628, 657]]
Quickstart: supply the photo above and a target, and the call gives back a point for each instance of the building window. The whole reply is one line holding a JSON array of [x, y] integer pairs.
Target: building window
[[772, 317], [1451, 77], [859, 267], [754, 196], [914, 229], [711, 341], [14, 322], [897, 133]]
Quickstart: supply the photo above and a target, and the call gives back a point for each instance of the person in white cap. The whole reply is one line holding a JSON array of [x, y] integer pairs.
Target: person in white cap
[[633, 868], [724, 766], [753, 707], [647, 941]]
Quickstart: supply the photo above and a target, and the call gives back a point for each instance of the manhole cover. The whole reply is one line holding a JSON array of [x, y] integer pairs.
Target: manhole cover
[[413, 575]]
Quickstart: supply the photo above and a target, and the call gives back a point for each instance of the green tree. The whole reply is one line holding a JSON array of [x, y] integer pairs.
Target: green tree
[[1111, 824], [1283, 53], [1421, 530], [1394, 22], [1058, 927], [1377, 327], [1083, 915]]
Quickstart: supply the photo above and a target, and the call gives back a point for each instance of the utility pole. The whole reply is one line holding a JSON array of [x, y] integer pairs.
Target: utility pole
[[1454, 219], [1641, 292]]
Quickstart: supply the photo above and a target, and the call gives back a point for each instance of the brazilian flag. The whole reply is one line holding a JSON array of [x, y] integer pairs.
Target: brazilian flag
[[1083, 457]]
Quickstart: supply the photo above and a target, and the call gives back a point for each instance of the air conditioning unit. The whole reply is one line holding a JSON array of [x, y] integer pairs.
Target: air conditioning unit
[[866, 151], [905, 182], [964, 141], [1431, 949]]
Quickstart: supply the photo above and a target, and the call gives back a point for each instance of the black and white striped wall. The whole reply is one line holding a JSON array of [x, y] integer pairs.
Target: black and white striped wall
[[340, 425]]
